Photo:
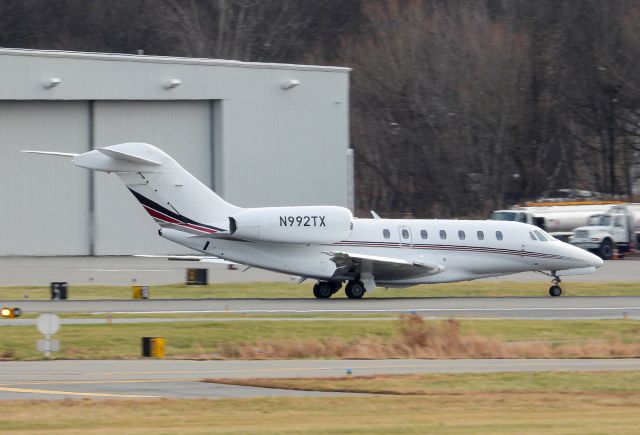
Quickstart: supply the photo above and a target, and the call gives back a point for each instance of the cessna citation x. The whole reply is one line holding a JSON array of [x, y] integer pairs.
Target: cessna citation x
[[327, 243]]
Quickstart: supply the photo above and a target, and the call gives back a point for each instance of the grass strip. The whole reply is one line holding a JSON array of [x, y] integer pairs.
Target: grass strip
[[484, 288], [468, 383], [497, 413], [211, 339]]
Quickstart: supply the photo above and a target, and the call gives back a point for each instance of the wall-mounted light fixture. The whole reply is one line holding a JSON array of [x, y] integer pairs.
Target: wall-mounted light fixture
[[172, 83], [52, 82], [290, 84]]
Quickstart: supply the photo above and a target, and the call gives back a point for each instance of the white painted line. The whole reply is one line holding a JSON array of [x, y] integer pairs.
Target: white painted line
[[127, 270], [404, 310]]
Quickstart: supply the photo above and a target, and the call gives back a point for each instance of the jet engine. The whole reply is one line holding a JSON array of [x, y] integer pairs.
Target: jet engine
[[305, 224]]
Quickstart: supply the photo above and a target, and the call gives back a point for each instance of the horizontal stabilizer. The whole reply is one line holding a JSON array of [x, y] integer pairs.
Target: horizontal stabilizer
[[199, 258], [119, 155], [51, 153]]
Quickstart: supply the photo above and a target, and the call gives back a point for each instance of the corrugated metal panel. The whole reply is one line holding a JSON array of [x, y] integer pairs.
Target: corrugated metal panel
[[43, 199], [294, 152], [180, 128], [272, 146]]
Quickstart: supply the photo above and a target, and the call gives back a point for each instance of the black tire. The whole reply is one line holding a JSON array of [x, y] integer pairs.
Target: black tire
[[555, 290], [322, 290], [606, 249], [355, 290]]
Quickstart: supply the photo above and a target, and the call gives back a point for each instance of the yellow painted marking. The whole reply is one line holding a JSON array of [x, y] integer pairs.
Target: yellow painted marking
[[72, 393], [127, 381]]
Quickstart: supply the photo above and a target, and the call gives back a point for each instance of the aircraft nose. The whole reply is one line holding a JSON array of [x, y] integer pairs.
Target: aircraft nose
[[591, 259]]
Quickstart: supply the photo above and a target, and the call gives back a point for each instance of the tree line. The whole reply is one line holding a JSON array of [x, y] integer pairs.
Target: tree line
[[458, 107]]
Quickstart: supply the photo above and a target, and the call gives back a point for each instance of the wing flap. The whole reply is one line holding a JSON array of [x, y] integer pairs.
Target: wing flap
[[382, 268]]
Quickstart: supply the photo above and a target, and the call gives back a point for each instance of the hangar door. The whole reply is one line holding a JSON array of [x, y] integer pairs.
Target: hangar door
[[183, 129], [43, 199]]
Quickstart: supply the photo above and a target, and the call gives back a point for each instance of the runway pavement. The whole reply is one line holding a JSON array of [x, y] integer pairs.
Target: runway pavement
[[508, 307], [112, 270], [183, 379]]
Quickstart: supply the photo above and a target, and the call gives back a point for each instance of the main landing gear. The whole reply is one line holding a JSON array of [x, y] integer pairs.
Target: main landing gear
[[326, 289], [555, 289]]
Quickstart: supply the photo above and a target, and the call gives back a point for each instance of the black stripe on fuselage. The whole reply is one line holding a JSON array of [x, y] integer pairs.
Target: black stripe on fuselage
[[463, 248], [148, 203]]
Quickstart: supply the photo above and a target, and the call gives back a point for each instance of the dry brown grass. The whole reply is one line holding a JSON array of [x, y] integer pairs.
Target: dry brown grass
[[419, 338]]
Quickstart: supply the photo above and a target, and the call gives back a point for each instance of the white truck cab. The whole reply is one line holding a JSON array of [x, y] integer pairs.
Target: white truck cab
[[607, 231]]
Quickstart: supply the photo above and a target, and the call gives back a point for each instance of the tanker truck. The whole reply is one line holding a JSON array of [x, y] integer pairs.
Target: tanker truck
[[618, 228], [557, 219]]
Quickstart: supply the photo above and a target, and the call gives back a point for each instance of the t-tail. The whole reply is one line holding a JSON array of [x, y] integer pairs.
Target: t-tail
[[170, 194]]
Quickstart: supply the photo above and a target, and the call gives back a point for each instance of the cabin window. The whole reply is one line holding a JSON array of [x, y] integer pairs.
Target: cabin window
[[461, 235], [540, 236], [533, 237], [499, 235], [386, 233], [480, 235], [443, 234], [405, 233], [424, 234]]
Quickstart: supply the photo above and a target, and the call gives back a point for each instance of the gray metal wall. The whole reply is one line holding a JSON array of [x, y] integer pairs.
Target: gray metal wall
[[40, 197], [184, 130], [230, 123]]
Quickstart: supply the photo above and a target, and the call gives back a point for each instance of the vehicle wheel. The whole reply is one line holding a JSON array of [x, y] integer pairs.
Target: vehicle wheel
[[606, 250], [355, 290], [555, 290], [335, 286], [322, 290]]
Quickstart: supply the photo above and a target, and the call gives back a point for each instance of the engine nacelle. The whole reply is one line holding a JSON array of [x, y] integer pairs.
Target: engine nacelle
[[304, 224]]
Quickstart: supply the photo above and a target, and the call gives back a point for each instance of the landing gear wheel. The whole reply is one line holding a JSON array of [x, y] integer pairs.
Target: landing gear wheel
[[606, 250], [355, 290], [555, 290], [323, 290]]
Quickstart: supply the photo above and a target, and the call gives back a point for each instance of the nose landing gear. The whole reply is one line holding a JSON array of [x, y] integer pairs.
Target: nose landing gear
[[555, 289]]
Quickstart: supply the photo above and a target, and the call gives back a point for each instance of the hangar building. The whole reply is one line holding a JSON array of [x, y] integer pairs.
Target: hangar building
[[259, 134]]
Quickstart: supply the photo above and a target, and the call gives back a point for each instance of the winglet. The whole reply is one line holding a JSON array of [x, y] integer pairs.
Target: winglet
[[375, 215]]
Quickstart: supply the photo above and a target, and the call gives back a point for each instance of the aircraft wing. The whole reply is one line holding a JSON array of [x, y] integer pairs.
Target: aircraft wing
[[382, 268]]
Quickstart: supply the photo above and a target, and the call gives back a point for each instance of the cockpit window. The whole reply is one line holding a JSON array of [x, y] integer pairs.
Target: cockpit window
[[533, 237], [386, 233], [499, 235], [540, 236]]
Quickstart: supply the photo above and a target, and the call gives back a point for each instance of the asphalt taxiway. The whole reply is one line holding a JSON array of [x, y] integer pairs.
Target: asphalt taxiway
[[113, 270], [563, 307], [184, 378]]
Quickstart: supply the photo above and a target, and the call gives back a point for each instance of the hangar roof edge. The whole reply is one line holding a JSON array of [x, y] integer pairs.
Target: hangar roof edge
[[164, 59]]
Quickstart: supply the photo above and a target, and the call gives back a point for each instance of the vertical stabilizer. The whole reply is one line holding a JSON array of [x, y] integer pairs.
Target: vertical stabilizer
[[168, 192]]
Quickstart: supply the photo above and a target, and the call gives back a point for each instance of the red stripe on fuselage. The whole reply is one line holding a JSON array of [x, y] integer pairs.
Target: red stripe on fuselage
[[163, 217]]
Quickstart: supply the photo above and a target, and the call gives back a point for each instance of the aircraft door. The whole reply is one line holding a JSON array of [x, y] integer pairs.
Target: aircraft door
[[405, 236]]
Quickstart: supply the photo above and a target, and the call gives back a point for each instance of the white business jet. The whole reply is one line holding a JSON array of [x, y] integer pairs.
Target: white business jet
[[327, 243]]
